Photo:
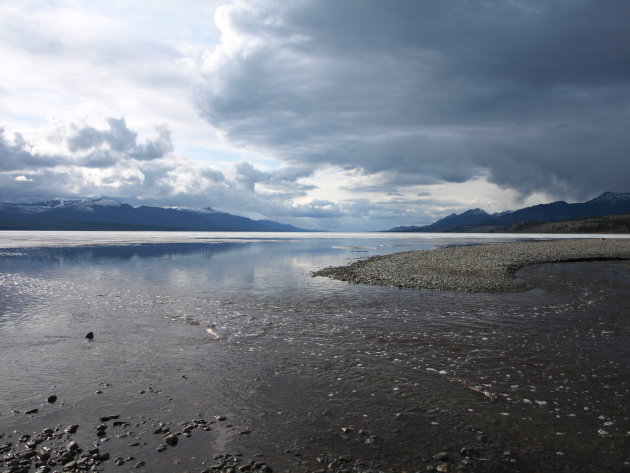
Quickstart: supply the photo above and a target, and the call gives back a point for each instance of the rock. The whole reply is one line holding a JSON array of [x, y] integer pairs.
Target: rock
[[469, 451], [140, 464], [72, 446], [71, 429], [90, 335], [31, 411], [442, 456], [44, 455], [51, 399], [119, 462], [171, 440], [161, 448]]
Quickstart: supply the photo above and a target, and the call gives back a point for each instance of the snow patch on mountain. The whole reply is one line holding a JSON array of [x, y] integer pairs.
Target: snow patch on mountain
[[610, 198]]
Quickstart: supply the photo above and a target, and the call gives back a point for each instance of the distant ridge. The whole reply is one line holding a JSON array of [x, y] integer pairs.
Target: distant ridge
[[108, 214], [478, 220]]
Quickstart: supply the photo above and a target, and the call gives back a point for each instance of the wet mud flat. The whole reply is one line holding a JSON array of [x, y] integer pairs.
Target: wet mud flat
[[325, 378]]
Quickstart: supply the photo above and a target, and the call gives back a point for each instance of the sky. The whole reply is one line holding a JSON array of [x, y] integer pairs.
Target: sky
[[326, 114]]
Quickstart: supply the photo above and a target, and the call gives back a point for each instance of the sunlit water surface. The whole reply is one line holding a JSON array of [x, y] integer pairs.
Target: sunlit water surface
[[233, 324]]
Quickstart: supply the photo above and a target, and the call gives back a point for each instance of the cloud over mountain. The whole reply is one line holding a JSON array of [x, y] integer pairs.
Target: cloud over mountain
[[533, 93], [86, 160], [337, 114]]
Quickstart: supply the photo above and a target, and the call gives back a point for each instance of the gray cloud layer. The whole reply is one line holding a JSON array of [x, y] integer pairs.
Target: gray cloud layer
[[110, 161], [86, 147], [535, 93]]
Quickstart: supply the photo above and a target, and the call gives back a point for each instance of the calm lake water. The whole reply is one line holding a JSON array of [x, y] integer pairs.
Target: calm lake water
[[310, 374]]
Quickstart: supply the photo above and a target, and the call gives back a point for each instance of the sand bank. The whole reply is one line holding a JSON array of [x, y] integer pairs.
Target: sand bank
[[479, 268]]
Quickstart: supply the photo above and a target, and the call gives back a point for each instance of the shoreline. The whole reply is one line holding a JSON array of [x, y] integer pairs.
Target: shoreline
[[478, 268]]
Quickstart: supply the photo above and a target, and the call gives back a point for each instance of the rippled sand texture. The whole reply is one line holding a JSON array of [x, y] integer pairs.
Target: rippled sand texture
[[482, 268]]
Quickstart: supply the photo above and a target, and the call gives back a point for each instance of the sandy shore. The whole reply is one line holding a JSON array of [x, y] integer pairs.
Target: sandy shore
[[479, 268]]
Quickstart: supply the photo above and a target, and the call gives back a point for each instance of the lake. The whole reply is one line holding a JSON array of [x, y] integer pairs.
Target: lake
[[226, 342]]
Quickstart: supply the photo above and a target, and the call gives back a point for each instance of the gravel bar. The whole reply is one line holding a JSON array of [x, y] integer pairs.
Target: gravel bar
[[478, 268]]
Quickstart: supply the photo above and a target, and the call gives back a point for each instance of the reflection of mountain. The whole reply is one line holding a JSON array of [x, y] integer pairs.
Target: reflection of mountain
[[105, 214], [477, 220], [127, 252]]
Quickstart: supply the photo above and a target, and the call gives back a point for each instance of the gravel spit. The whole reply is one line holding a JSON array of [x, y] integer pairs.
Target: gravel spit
[[478, 268]]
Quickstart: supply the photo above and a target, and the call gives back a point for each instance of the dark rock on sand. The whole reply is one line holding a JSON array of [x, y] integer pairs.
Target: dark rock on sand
[[71, 429], [442, 456], [171, 440]]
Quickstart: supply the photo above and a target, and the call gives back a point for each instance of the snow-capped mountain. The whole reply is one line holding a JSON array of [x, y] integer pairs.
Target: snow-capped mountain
[[608, 203], [108, 214], [610, 198]]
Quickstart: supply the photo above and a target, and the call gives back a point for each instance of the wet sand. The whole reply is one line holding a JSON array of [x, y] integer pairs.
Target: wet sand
[[479, 268]]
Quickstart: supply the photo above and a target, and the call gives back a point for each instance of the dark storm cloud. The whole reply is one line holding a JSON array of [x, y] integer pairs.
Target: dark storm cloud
[[532, 93]]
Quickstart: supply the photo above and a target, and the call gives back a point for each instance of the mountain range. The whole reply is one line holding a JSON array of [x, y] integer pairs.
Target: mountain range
[[478, 220], [107, 214]]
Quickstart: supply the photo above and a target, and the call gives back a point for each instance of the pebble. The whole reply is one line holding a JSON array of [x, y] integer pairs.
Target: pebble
[[171, 440], [71, 429], [478, 268], [442, 456], [51, 399]]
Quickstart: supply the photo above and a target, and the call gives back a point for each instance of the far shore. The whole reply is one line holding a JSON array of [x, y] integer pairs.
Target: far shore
[[478, 268]]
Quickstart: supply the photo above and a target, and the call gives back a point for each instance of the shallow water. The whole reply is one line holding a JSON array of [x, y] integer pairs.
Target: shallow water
[[314, 368]]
